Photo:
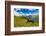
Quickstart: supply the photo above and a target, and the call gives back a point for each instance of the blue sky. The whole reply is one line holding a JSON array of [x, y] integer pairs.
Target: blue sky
[[26, 11]]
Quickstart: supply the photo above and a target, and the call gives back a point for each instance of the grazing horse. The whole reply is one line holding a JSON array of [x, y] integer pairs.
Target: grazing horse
[[30, 20]]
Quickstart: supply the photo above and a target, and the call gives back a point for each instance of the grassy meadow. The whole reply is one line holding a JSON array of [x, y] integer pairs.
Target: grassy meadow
[[21, 22]]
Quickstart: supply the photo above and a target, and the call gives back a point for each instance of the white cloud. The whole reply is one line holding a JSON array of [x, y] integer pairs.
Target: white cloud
[[20, 14], [17, 14]]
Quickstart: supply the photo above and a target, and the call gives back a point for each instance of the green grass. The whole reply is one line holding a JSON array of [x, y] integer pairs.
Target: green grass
[[21, 22]]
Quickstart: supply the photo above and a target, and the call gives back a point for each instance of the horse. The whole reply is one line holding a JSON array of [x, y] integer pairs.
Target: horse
[[30, 20]]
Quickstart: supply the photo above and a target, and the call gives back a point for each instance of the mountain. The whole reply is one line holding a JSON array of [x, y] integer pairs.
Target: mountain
[[34, 17], [29, 16]]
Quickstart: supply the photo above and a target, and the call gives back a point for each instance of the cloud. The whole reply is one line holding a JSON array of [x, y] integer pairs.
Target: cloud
[[26, 11]]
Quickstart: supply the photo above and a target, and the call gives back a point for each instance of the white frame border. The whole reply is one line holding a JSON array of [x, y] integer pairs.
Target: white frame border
[[25, 28]]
